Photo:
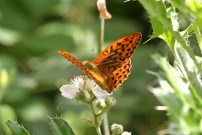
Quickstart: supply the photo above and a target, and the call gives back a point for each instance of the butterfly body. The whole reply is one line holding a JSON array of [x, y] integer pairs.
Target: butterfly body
[[96, 73], [112, 66]]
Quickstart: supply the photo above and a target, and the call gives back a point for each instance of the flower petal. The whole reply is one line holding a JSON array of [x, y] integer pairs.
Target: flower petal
[[90, 84], [77, 81], [69, 91], [100, 93]]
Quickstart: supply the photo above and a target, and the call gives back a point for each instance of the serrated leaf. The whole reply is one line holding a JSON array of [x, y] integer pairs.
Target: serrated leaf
[[60, 127], [16, 128], [191, 9], [160, 21]]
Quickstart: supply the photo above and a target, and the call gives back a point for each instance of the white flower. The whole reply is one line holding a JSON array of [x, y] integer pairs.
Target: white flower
[[83, 85], [99, 92], [69, 91], [126, 133]]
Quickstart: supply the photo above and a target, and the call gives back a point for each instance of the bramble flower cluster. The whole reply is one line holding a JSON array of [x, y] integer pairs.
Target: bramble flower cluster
[[83, 88], [87, 91]]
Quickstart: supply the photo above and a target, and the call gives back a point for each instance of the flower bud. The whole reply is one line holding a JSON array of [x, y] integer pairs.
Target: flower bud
[[81, 97], [126, 133], [110, 101], [116, 129], [100, 104]]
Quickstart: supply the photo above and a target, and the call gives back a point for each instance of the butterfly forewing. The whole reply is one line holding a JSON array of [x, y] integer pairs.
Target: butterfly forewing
[[119, 51], [70, 58], [91, 73]]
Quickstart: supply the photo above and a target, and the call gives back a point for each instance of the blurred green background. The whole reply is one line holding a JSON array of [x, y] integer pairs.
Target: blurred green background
[[32, 71]]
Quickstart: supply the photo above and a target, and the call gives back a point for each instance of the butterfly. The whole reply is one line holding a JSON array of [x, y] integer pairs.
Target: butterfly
[[112, 66]]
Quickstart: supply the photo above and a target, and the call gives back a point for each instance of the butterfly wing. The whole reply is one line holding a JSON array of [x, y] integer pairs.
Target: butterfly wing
[[75, 61], [117, 76], [114, 61], [119, 51]]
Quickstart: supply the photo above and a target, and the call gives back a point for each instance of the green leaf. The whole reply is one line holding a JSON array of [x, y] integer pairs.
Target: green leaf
[[192, 9], [160, 20], [60, 127], [16, 128], [165, 26], [179, 94]]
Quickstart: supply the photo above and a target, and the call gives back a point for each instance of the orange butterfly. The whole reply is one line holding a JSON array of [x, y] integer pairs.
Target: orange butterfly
[[112, 66]]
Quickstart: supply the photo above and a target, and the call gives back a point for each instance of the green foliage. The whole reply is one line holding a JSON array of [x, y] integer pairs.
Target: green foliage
[[181, 98], [60, 127], [191, 9], [17, 129], [180, 87], [57, 125], [7, 73]]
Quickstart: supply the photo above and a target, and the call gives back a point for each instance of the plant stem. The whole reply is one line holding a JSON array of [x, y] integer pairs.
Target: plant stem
[[101, 43], [96, 120], [106, 124], [101, 35]]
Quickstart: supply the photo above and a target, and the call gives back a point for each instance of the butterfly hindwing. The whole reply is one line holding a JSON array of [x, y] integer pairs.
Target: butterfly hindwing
[[120, 75], [115, 76]]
